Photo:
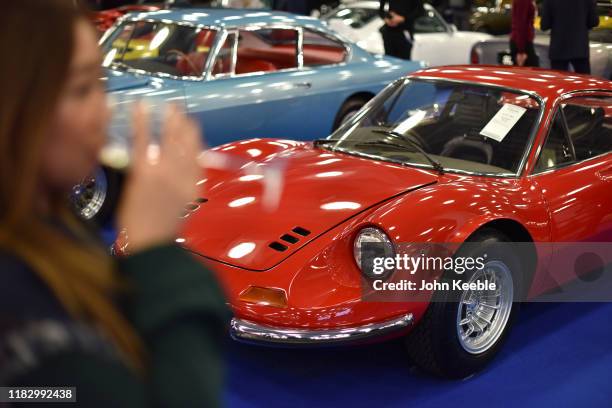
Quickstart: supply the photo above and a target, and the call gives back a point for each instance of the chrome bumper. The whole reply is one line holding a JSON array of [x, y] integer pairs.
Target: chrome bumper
[[244, 330]]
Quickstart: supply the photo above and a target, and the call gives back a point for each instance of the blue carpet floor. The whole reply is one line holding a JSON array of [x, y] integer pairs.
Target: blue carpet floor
[[559, 355]]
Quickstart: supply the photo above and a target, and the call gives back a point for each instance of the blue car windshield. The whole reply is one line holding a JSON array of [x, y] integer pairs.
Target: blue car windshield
[[460, 127], [159, 48]]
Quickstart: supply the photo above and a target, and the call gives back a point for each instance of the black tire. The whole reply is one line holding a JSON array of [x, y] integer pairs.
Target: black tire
[[350, 107], [105, 209], [434, 344], [115, 185]]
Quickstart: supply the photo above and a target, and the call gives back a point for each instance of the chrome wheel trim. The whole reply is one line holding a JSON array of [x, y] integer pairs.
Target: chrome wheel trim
[[88, 197], [482, 315]]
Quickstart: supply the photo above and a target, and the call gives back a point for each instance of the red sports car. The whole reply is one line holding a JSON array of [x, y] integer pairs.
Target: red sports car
[[470, 155]]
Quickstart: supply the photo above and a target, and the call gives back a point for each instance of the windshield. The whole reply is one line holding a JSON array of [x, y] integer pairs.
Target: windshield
[[461, 127], [354, 17], [159, 48]]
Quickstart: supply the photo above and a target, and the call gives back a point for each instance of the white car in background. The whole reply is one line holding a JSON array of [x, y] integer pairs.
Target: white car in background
[[436, 42]]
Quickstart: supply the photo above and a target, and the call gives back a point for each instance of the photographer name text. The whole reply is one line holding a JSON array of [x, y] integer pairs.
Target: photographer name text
[[457, 284]]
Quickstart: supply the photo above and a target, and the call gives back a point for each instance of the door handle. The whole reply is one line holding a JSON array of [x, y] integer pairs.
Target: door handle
[[306, 85], [606, 174]]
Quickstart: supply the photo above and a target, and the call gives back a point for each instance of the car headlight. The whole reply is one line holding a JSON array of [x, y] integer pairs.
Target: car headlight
[[381, 247]]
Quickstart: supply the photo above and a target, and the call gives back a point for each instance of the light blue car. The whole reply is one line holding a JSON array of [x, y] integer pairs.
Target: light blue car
[[241, 73]]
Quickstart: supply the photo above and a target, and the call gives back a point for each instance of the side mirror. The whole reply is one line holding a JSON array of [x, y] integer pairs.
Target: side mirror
[[453, 28]]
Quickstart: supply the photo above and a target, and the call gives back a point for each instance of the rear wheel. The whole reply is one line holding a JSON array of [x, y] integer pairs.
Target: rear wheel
[[463, 330]]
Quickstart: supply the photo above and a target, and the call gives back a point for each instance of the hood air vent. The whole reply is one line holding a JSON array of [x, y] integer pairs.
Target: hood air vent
[[289, 239], [191, 207], [277, 246], [301, 231]]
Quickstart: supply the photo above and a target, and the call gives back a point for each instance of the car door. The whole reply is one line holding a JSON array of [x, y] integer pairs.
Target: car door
[[254, 87], [331, 79], [574, 173]]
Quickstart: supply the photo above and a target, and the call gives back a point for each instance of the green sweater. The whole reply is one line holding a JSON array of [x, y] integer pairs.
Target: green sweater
[[177, 308]]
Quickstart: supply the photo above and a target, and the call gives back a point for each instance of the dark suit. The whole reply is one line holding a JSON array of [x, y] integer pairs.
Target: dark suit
[[291, 6], [394, 38], [569, 22]]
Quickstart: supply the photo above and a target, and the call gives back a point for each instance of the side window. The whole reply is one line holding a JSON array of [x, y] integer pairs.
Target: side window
[[429, 22], [223, 65], [321, 50], [589, 123], [266, 50], [556, 150]]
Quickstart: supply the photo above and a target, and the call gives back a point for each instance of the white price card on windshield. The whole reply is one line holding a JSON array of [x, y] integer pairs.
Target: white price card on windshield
[[503, 122]]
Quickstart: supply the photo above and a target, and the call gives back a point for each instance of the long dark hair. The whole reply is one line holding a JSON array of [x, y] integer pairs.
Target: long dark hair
[[36, 42]]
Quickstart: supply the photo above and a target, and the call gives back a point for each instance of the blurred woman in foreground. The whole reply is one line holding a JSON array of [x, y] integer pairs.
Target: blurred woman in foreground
[[142, 331]]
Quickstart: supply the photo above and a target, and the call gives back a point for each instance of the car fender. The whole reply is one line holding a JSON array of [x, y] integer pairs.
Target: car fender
[[452, 211]]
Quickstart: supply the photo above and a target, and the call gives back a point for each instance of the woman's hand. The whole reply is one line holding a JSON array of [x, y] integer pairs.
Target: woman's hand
[[161, 181], [395, 19]]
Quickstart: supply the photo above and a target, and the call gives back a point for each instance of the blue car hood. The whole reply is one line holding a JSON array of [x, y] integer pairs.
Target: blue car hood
[[119, 81], [127, 86]]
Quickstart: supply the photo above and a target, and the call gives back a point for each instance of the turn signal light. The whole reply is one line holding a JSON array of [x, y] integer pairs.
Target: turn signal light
[[264, 296]]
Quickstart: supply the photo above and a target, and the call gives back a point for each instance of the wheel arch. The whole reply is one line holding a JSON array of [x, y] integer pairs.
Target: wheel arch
[[517, 233], [364, 96]]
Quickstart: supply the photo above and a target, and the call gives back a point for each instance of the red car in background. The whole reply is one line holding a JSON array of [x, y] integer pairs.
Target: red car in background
[[475, 156], [103, 20]]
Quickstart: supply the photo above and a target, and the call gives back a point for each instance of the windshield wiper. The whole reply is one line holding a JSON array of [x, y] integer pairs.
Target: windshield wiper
[[320, 142], [118, 64], [434, 163]]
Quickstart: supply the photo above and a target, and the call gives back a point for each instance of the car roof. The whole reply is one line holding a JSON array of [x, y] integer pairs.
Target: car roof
[[227, 17], [372, 4], [544, 82]]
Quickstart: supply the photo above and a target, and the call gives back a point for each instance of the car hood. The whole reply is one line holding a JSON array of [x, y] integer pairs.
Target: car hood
[[136, 85], [126, 87], [120, 81], [320, 190]]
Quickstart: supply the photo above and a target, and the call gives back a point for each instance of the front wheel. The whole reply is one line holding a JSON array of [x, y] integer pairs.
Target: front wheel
[[463, 330], [95, 198]]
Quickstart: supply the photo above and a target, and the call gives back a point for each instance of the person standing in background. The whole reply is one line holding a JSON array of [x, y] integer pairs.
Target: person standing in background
[[398, 31], [523, 33], [569, 22], [291, 6]]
